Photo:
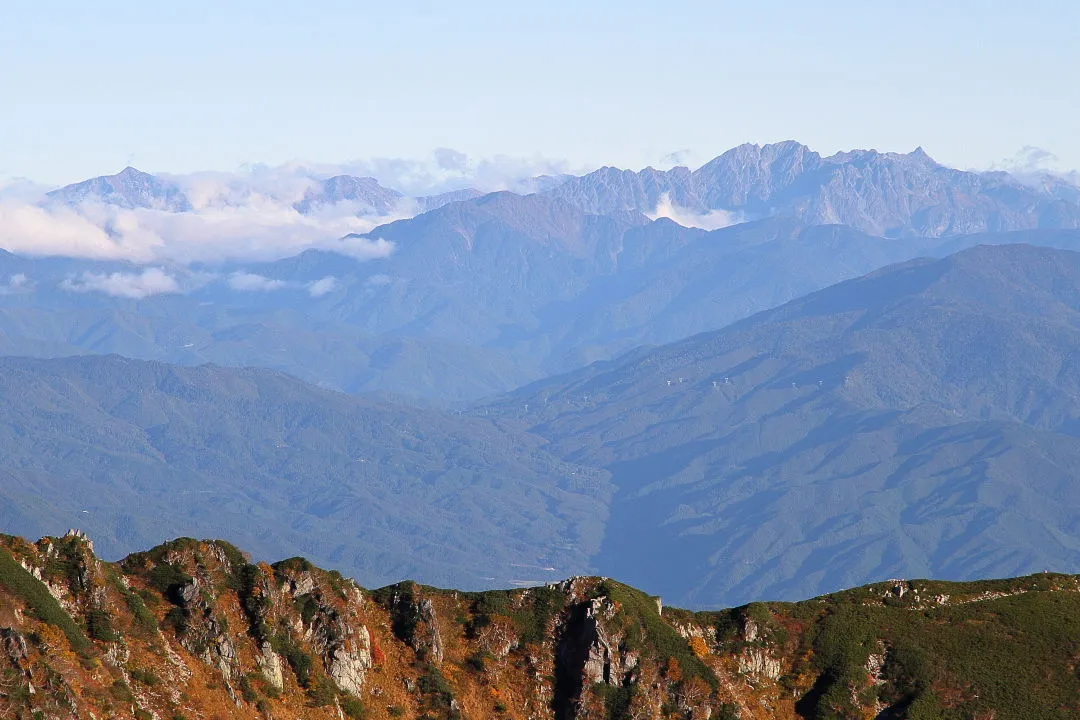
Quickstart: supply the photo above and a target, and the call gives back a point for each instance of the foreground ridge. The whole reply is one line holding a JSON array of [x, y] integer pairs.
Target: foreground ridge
[[193, 629]]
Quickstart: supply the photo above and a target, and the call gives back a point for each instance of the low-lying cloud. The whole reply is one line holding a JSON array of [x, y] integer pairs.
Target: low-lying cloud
[[243, 281], [251, 214], [321, 287], [16, 284], [1035, 166], [260, 230], [135, 286], [446, 170], [712, 220], [250, 282]]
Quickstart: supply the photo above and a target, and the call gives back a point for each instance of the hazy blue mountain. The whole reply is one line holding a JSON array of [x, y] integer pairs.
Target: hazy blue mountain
[[922, 421], [130, 188], [133, 452], [366, 192], [883, 194], [434, 202], [478, 296]]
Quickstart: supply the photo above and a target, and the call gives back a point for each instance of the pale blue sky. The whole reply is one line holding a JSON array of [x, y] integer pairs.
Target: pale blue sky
[[88, 87]]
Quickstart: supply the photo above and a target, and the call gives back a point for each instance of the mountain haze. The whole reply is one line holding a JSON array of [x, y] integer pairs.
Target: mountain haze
[[922, 420], [134, 451]]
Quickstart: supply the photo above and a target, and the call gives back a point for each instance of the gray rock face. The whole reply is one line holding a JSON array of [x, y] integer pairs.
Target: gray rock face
[[270, 666], [350, 661], [13, 645], [589, 652], [759, 664], [430, 638]]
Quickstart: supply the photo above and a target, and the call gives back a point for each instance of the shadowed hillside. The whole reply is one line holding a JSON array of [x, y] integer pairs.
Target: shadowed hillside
[[135, 452], [921, 420]]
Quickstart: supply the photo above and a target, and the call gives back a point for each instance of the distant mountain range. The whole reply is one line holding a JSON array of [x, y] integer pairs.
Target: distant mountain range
[[885, 384], [478, 297], [129, 450], [885, 194], [919, 421], [922, 420], [881, 194]]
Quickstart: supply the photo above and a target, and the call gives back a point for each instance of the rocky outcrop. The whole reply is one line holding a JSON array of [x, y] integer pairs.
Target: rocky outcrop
[[13, 645], [760, 665], [196, 630]]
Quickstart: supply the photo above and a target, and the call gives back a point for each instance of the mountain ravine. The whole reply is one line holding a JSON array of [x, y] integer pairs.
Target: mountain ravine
[[191, 629]]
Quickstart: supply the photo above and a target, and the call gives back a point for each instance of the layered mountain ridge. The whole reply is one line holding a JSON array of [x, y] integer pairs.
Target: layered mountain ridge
[[921, 420], [885, 194]]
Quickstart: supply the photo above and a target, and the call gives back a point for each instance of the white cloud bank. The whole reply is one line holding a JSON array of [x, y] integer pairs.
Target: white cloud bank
[[136, 286], [260, 230], [250, 215], [712, 220]]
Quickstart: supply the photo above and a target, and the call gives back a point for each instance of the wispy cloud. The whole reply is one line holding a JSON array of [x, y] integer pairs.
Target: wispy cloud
[[151, 281], [712, 220], [17, 188], [447, 169], [321, 287], [250, 282], [16, 284], [1035, 165]]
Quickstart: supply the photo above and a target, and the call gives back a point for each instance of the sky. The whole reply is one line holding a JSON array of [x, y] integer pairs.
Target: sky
[[89, 88]]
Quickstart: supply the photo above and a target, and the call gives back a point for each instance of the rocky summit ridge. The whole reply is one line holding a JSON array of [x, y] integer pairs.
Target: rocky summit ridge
[[193, 629]]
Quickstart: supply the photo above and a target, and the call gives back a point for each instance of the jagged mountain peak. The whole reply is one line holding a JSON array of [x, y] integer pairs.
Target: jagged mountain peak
[[366, 192], [130, 189]]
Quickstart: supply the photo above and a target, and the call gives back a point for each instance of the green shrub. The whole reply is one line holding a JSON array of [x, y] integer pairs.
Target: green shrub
[[477, 661], [121, 692], [616, 700], [99, 626], [144, 619], [645, 627], [146, 677], [300, 662], [168, 579], [322, 692], [353, 708], [33, 592], [246, 689], [400, 601]]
